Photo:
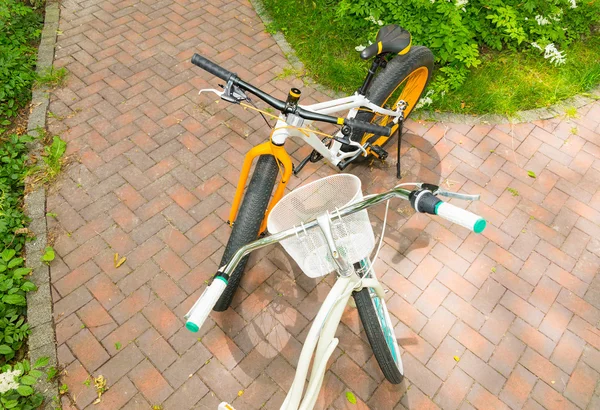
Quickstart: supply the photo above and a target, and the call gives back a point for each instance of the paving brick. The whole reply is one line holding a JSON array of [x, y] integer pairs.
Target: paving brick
[[549, 398], [160, 353], [463, 310], [150, 383], [438, 326], [497, 324], [578, 306], [489, 295], [187, 395], [567, 352], [581, 385], [454, 390], [507, 354], [443, 361], [555, 322], [95, 318], [543, 369], [481, 398], [354, 377], [521, 308], [132, 304], [472, 340], [74, 377], [117, 396], [162, 318], [86, 349], [532, 337], [481, 372], [518, 388]]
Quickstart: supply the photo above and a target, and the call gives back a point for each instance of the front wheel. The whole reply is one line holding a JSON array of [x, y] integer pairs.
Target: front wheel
[[380, 332], [403, 79], [247, 224]]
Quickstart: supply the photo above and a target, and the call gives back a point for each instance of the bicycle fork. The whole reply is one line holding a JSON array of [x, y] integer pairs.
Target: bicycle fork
[[283, 160]]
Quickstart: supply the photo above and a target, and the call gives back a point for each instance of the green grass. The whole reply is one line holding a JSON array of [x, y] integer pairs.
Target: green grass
[[509, 81], [53, 78], [506, 81]]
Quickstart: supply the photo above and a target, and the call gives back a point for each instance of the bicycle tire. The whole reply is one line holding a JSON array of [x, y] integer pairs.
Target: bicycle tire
[[387, 81], [367, 311], [247, 224]]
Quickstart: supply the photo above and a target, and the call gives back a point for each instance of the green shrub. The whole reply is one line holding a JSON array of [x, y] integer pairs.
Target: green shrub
[[13, 276], [13, 287], [13, 169], [456, 30], [16, 385], [19, 28]]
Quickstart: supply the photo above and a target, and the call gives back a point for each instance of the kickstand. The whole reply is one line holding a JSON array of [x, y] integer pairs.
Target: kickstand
[[399, 142]]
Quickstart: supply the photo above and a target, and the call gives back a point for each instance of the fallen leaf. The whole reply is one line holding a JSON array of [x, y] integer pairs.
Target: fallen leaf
[[462, 105], [116, 259], [351, 397], [240, 393], [456, 358], [100, 384], [531, 174], [121, 261]]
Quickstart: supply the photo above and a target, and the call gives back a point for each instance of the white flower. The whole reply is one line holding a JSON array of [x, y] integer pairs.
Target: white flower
[[361, 47], [555, 56], [536, 45], [377, 22], [460, 4], [7, 380], [541, 20], [573, 4], [425, 101]]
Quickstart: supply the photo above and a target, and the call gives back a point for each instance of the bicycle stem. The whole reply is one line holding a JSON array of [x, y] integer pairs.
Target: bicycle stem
[[280, 236]]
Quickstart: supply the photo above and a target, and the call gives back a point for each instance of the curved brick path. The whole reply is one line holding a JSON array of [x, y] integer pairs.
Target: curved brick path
[[154, 167]]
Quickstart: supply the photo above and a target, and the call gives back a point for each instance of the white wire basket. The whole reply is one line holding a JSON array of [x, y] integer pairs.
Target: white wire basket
[[353, 234]]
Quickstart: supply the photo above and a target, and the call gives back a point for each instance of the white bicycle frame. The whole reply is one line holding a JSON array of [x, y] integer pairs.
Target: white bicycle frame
[[321, 338], [288, 125]]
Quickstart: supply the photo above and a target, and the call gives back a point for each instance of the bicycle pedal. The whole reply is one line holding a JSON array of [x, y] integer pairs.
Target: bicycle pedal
[[379, 152]]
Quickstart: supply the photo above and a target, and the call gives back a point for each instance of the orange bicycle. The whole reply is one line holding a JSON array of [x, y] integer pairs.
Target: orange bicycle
[[390, 91]]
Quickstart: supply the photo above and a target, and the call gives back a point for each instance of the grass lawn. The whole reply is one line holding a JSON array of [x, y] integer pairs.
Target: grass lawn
[[505, 82]]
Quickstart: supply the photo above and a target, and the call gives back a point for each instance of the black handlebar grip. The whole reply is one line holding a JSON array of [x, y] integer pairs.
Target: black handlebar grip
[[214, 69], [368, 127]]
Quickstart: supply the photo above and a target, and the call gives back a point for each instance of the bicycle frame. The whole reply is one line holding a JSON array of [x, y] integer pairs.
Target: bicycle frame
[[292, 126], [333, 154], [321, 341]]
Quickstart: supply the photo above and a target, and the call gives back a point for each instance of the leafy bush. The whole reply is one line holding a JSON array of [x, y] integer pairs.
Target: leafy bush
[[455, 30], [16, 385], [19, 27], [13, 287], [13, 276], [13, 154]]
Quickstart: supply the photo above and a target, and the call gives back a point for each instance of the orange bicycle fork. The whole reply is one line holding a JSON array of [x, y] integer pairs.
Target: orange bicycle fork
[[283, 160]]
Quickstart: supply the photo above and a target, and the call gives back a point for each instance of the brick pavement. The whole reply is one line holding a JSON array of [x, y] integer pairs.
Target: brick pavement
[[154, 169]]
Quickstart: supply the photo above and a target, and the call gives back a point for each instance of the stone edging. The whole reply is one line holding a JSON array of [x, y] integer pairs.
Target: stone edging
[[545, 113], [42, 341]]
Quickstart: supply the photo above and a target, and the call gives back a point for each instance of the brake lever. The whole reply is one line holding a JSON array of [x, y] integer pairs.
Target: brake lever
[[436, 190], [465, 197]]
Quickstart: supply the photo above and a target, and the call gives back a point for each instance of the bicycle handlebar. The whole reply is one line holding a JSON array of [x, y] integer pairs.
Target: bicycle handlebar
[[422, 200], [227, 75], [213, 68]]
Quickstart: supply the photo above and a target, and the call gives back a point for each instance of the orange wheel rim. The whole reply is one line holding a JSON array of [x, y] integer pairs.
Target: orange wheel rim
[[409, 90]]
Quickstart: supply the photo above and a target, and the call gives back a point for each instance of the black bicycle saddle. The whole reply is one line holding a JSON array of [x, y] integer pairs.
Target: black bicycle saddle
[[390, 39]]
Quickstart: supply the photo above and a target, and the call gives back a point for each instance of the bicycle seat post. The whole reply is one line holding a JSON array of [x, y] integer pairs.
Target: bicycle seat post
[[344, 269]]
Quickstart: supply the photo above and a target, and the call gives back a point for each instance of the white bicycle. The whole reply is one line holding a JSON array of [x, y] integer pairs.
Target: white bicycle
[[343, 244], [390, 91]]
